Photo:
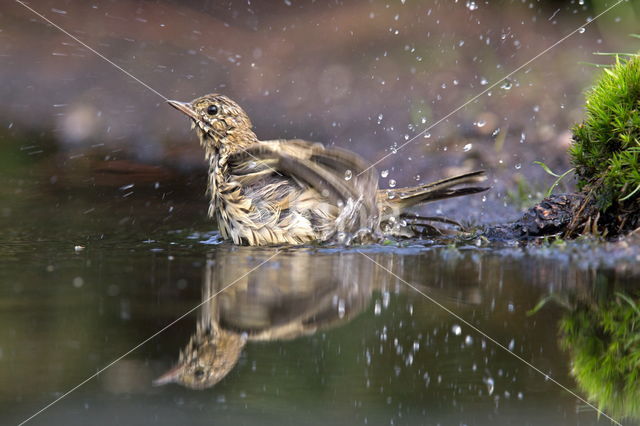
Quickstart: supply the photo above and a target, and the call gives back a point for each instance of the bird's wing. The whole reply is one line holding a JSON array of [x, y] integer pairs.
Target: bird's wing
[[336, 174]]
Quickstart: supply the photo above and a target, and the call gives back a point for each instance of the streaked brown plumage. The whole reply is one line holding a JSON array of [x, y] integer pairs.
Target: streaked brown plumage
[[294, 191], [208, 357], [212, 351]]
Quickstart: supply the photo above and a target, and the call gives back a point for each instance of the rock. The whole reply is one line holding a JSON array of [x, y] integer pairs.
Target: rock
[[549, 217]]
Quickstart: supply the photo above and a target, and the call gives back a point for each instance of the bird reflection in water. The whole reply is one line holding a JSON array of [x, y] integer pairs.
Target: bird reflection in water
[[303, 291], [297, 294]]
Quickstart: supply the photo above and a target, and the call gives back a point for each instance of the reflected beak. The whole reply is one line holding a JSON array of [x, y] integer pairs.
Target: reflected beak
[[185, 108], [170, 376]]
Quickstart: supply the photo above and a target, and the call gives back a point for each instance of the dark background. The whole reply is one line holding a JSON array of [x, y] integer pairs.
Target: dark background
[[365, 75]]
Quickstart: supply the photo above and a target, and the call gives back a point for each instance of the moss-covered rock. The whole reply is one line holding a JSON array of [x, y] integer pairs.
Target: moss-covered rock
[[606, 155], [606, 146]]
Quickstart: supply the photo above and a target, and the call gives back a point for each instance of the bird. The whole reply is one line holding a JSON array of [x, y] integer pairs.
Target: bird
[[293, 192]]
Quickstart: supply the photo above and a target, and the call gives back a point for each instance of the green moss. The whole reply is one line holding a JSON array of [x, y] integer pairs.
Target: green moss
[[606, 147], [604, 342]]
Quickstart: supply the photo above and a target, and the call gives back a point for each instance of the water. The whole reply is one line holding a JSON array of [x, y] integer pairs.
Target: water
[[327, 336]]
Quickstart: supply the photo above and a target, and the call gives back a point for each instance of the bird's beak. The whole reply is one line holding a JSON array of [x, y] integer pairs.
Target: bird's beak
[[170, 376], [185, 108]]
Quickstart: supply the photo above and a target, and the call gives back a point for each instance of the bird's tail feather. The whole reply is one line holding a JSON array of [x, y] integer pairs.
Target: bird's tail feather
[[402, 198]]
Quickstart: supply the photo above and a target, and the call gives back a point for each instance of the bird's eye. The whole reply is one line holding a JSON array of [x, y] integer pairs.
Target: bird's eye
[[212, 109], [199, 373]]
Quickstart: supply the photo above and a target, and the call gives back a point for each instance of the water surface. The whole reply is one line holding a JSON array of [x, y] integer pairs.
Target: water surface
[[328, 337]]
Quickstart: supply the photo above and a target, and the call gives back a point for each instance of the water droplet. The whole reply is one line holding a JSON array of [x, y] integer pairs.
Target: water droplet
[[392, 183], [484, 81], [581, 30], [78, 282], [467, 147], [481, 123], [341, 308], [490, 384], [409, 359], [518, 166], [512, 344], [506, 85], [384, 173], [427, 135], [380, 117], [495, 132], [348, 175], [471, 5], [456, 329], [386, 297], [468, 340], [377, 309]]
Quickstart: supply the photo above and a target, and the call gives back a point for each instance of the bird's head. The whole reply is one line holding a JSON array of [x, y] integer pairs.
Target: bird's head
[[220, 122], [207, 359]]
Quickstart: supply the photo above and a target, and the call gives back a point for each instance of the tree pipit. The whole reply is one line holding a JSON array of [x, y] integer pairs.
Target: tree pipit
[[294, 191]]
